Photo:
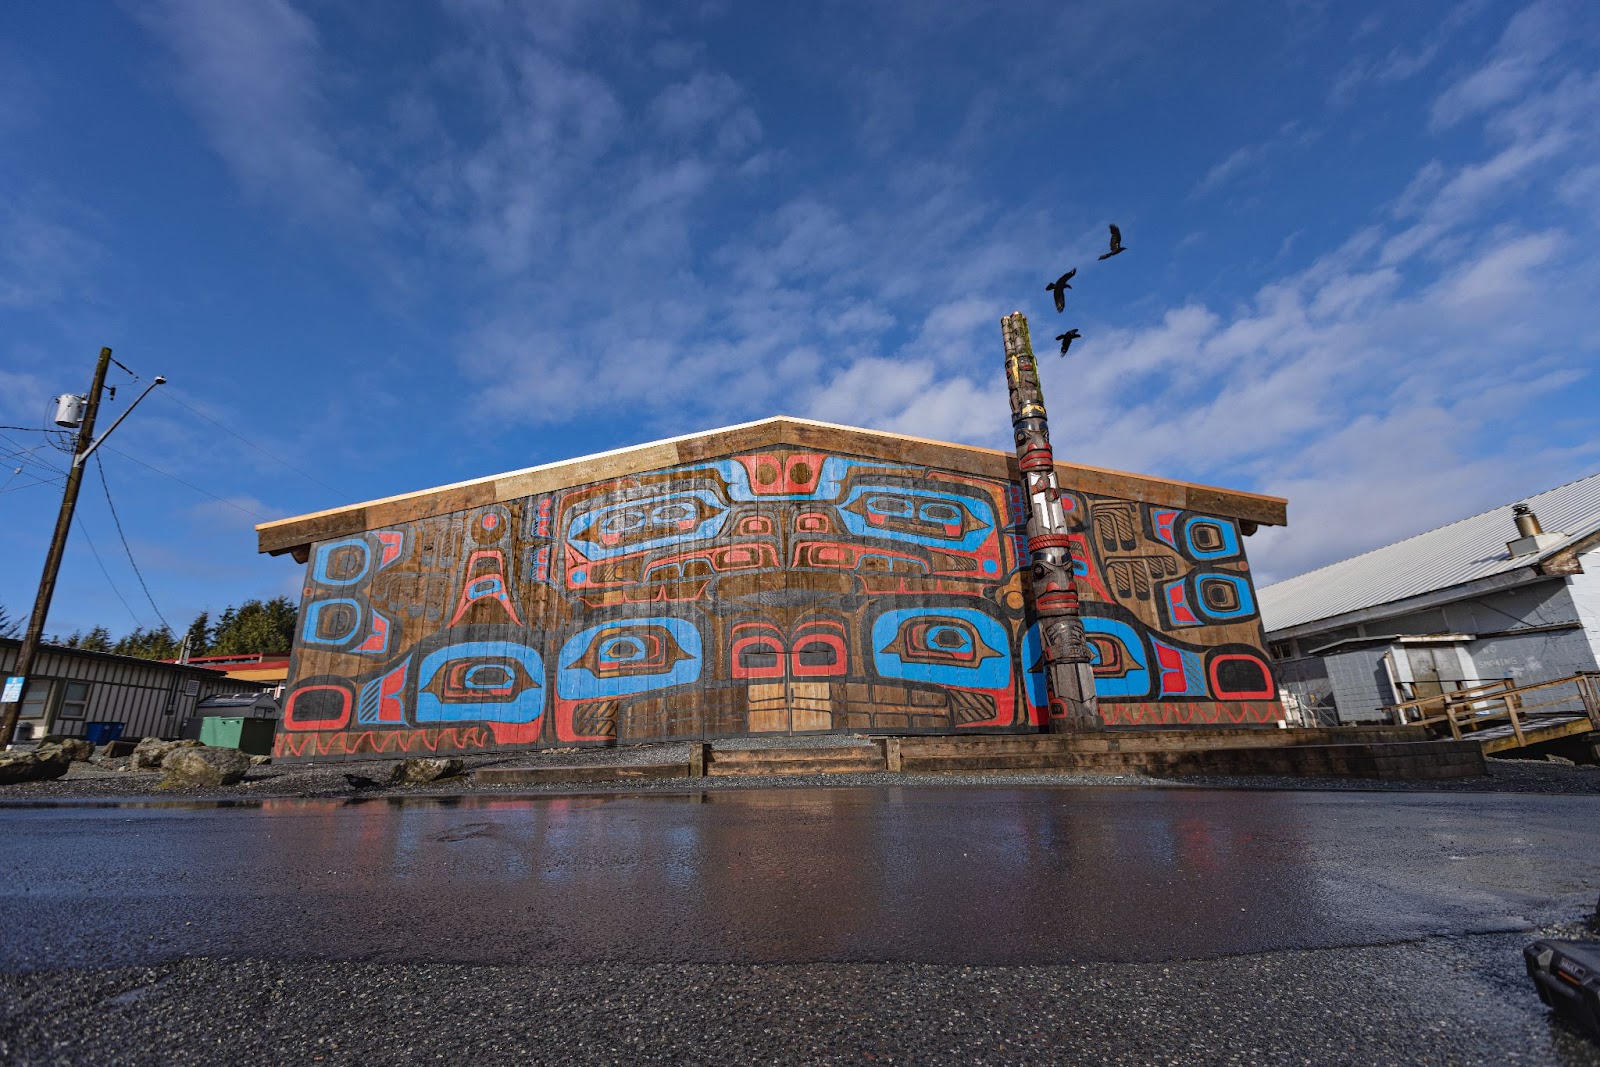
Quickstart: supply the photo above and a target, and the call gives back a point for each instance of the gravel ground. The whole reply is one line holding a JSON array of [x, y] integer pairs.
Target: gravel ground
[[93, 781], [1457, 1001]]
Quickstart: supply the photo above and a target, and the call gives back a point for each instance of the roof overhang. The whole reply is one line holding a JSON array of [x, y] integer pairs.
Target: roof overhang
[[296, 535], [1421, 602], [1352, 643]]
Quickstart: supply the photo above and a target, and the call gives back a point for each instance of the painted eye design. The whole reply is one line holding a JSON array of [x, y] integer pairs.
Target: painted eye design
[[629, 525], [492, 681], [759, 655], [888, 507], [945, 646], [629, 656], [921, 516], [940, 514], [952, 642], [616, 652], [620, 521]]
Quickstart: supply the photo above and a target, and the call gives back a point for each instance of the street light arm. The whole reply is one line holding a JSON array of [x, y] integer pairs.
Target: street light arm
[[78, 461]]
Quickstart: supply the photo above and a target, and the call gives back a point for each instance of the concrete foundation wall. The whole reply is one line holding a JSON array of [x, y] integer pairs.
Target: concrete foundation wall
[[770, 592]]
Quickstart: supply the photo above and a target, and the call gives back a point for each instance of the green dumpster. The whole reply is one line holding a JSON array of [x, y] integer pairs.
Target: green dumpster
[[247, 735]]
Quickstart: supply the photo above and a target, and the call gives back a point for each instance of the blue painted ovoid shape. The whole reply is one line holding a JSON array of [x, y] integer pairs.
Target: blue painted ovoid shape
[[1136, 682], [662, 507], [575, 682], [1241, 586], [993, 672], [1032, 651], [314, 610], [525, 705], [897, 501], [319, 568], [490, 586], [1230, 538]]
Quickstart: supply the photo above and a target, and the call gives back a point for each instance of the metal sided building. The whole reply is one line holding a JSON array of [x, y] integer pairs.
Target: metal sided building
[[72, 689], [778, 577]]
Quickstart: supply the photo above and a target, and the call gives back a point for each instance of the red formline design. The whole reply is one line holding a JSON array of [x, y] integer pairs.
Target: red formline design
[[383, 742], [1179, 714]]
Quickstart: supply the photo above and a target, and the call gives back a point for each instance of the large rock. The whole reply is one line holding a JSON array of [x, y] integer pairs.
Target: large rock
[[75, 749], [203, 767], [150, 753], [426, 769], [32, 766]]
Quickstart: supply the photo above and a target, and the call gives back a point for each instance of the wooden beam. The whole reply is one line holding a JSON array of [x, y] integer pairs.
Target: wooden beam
[[295, 535]]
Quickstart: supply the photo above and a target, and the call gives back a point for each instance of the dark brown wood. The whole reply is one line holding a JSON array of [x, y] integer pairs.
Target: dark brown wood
[[296, 534]]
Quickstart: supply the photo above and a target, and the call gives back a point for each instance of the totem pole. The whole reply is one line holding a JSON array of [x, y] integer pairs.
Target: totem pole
[[1055, 595]]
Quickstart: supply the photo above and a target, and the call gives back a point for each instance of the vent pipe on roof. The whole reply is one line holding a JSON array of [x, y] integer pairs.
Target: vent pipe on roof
[[1533, 538]]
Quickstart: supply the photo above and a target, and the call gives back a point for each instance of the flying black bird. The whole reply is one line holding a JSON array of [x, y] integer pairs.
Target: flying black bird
[[1067, 338], [1116, 243], [1060, 288]]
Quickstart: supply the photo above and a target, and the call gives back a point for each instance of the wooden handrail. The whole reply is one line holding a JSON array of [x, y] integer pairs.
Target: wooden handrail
[[1444, 706]]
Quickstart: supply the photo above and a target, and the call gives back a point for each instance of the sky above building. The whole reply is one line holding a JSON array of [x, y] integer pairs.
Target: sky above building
[[380, 247]]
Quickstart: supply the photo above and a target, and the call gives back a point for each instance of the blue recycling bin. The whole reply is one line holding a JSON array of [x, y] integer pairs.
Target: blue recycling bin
[[99, 733]]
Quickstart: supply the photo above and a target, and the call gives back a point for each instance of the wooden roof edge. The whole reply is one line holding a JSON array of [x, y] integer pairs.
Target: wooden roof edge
[[296, 533]]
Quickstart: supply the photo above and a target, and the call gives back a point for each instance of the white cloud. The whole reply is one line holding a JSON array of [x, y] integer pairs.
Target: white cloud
[[1530, 38], [249, 69], [1234, 164]]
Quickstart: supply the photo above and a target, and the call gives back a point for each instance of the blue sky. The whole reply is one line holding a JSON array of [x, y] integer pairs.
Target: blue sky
[[399, 245]]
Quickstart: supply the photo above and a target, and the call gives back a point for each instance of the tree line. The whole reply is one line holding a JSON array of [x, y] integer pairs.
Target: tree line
[[256, 626]]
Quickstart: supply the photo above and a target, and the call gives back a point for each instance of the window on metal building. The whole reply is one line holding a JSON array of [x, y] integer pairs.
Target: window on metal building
[[74, 700]]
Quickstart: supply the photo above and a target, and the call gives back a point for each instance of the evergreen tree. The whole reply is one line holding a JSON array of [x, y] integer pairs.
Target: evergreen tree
[[148, 644], [256, 627], [199, 635], [9, 627], [96, 640]]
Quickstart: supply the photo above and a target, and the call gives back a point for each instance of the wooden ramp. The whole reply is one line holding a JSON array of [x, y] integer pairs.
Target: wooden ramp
[[1503, 717]]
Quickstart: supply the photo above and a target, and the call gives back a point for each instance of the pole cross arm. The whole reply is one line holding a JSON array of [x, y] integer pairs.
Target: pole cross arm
[[79, 460]]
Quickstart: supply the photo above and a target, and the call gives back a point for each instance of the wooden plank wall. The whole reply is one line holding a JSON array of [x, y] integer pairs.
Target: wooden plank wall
[[777, 591]]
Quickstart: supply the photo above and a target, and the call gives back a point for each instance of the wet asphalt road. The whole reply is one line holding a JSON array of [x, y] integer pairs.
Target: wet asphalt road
[[1029, 924]]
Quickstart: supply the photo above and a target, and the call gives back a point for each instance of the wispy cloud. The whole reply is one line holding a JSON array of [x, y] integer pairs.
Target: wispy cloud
[[633, 234], [1235, 163], [1531, 37], [252, 72]]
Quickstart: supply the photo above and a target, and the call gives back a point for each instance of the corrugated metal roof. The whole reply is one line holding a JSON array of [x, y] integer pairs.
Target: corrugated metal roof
[[1463, 551]]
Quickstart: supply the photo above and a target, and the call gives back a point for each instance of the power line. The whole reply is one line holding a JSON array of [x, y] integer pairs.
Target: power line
[[107, 487], [180, 481], [138, 622], [30, 485], [234, 433]]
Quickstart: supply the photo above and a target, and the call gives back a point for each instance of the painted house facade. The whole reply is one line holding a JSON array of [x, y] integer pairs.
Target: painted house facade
[[780, 577], [1491, 596]]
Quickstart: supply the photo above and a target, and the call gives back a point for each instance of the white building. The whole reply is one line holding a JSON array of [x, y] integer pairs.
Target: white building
[[1511, 593]]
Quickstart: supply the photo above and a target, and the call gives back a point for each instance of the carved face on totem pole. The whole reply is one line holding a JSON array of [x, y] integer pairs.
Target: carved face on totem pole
[[1054, 591], [1033, 444]]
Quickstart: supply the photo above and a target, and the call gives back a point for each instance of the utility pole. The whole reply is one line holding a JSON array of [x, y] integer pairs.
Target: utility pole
[[17, 685], [1073, 705]]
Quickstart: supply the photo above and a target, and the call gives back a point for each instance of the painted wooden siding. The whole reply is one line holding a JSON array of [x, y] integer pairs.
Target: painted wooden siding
[[782, 590]]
